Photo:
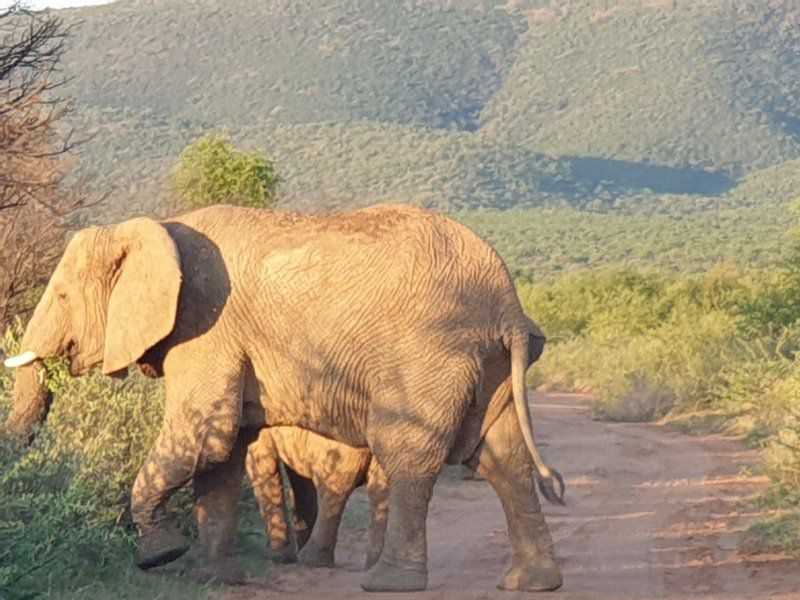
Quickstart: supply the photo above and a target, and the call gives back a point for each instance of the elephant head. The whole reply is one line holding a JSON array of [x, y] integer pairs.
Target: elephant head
[[113, 295]]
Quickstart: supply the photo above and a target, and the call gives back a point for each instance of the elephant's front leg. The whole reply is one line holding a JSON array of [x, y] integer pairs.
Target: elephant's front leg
[[163, 472], [201, 424], [217, 496], [504, 461]]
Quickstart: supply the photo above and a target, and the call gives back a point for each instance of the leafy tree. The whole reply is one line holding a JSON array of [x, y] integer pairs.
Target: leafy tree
[[213, 170]]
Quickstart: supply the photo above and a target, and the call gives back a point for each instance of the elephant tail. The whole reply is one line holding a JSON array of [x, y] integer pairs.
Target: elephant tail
[[546, 477]]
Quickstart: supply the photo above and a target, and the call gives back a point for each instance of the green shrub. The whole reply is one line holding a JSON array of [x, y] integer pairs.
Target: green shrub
[[645, 342], [64, 501], [722, 343], [212, 170], [781, 532]]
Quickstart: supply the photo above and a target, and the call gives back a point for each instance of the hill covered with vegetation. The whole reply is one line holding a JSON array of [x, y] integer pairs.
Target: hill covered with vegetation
[[703, 86], [477, 104]]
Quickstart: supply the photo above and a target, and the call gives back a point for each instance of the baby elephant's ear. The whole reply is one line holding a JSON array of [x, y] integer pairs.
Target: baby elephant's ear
[[146, 276], [536, 341]]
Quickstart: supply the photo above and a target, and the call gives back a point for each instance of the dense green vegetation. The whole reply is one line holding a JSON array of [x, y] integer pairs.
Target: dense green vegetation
[[707, 85], [714, 349], [647, 342], [541, 243], [63, 502], [454, 105], [213, 170]]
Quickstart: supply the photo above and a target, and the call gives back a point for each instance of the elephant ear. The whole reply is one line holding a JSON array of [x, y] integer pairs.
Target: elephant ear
[[144, 298]]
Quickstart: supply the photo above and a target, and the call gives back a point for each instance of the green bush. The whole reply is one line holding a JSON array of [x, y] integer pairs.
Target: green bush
[[64, 502], [644, 342], [212, 170], [779, 532], [630, 334], [722, 344]]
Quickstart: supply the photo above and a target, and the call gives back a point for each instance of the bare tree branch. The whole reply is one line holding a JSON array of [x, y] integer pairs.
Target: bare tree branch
[[40, 197]]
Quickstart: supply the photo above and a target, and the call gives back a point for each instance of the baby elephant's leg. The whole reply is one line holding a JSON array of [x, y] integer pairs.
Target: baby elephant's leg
[[378, 491], [303, 502], [263, 468], [319, 550], [337, 472]]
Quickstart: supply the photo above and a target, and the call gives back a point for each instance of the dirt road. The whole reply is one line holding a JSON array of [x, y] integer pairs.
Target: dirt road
[[651, 514]]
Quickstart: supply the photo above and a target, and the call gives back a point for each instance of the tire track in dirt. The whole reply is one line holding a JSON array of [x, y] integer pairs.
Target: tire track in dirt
[[651, 513]]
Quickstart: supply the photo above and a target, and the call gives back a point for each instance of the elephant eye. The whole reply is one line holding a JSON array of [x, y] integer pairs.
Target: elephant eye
[[62, 296]]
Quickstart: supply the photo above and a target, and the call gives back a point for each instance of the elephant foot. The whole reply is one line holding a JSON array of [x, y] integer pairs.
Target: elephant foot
[[160, 547], [284, 555], [221, 571], [372, 558], [314, 557], [532, 578], [468, 474], [385, 577], [302, 533]]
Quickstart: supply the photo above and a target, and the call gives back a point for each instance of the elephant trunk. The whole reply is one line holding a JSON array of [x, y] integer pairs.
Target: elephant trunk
[[31, 396], [44, 335], [32, 400]]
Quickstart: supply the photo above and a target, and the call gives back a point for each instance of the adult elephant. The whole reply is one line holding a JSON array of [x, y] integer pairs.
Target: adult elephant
[[323, 473], [390, 327]]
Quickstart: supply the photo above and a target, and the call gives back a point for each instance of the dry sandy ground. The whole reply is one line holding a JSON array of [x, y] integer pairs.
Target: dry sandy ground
[[650, 513]]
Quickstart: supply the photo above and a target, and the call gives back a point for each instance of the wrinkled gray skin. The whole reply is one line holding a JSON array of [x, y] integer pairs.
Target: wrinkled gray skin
[[335, 469], [390, 328]]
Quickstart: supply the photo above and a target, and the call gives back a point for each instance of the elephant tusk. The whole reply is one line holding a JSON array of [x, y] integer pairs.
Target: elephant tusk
[[20, 360]]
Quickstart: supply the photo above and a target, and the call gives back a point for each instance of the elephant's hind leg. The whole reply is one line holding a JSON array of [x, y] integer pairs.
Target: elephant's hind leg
[[402, 565], [411, 437], [319, 550], [337, 470], [304, 505], [503, 459]]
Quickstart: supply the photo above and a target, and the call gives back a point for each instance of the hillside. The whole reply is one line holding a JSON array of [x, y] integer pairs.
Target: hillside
[[241, 62], [709, 85], [747, 226], [452, 105]]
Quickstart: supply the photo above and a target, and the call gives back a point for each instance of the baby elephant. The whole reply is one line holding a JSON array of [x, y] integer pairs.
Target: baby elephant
[[336, 469]]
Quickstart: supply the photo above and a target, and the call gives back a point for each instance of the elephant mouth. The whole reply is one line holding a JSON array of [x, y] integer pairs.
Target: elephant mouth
[[71, 353]]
